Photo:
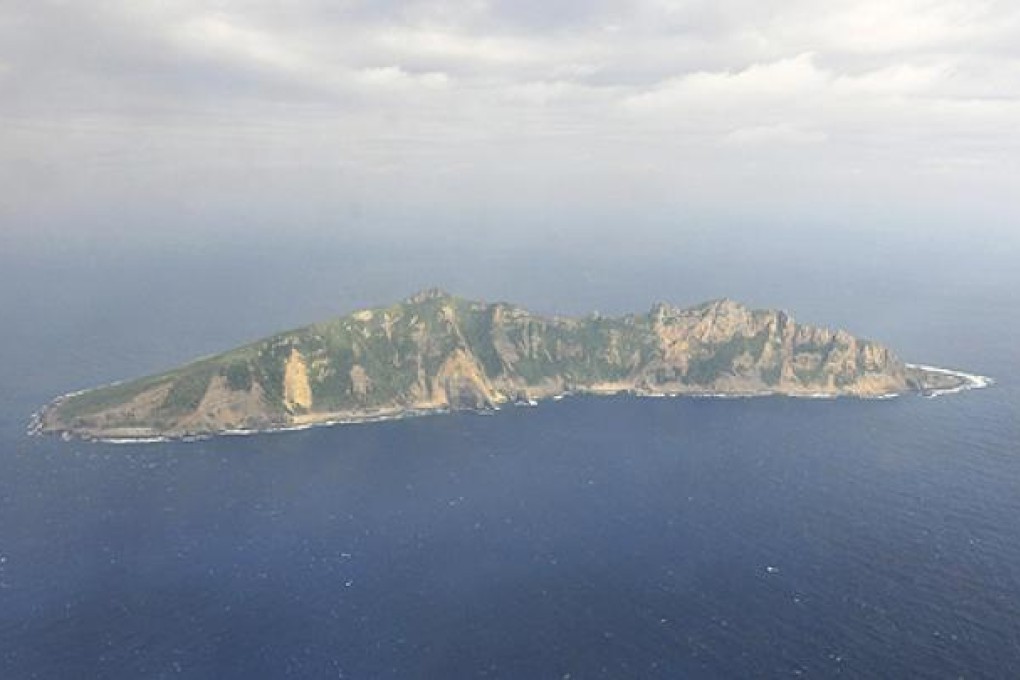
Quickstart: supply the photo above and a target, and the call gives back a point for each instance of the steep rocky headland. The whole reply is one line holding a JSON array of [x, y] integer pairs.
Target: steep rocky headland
[[435, 352]]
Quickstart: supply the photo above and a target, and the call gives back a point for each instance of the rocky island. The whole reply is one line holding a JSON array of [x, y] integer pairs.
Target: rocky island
[[437, 352]]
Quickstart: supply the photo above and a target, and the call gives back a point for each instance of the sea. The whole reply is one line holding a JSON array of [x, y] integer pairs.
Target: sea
[[588, 537]]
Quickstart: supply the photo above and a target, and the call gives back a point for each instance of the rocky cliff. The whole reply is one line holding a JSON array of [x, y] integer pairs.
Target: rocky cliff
[[435, 351]]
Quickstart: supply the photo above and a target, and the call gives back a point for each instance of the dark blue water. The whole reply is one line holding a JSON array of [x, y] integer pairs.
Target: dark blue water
[[613, 537]]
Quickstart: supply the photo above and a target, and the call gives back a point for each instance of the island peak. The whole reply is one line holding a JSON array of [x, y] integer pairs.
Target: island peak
[[427, 294]]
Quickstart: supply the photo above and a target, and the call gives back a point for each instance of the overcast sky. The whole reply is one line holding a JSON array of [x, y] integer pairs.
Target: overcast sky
[[379, 117]]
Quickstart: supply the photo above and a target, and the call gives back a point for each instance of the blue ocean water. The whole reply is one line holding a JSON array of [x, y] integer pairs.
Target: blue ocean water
[[584, 538]]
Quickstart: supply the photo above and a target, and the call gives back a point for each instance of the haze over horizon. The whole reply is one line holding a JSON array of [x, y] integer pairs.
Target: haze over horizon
[[519, 122]]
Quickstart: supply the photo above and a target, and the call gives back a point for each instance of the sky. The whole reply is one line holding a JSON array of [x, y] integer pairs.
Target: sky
[[521, 120]]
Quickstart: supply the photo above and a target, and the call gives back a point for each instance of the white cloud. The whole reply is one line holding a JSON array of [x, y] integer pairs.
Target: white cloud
[[432, 43], [218, 37], [495, 93], [543, 93], [792, 77], [394, 76], [899, 79], [780, 134], [897, 26]]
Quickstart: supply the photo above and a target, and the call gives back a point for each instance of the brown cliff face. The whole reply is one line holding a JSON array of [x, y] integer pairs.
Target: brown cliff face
[[726, 346], [434, 351]]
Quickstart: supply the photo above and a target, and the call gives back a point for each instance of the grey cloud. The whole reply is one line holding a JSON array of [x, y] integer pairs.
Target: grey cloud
[[410, 104]]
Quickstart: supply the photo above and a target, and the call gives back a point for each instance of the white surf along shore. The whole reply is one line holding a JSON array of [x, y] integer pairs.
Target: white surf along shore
[[972, 381]]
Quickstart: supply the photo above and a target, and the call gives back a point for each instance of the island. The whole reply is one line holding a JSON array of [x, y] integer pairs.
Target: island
[[435, 352]]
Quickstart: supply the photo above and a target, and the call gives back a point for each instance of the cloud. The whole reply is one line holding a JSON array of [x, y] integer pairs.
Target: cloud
[[773, 134], [429, 43], [779, 79], [903, 26], [485, 101], [899, 79], [394, 76], [217, 37]]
